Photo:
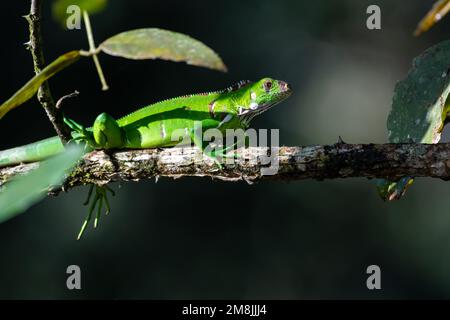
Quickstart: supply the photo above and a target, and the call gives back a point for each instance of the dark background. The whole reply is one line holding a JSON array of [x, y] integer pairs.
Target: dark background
[[197, 238]]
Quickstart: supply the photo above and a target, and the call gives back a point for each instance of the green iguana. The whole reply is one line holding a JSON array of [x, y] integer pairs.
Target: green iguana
[[154, 125]]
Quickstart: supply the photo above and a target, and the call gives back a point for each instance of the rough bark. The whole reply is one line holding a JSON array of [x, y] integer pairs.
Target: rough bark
[[44, 95], [295, 163]]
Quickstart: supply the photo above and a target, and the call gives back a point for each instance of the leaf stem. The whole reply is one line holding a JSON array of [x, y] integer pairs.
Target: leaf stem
[[93, 50]]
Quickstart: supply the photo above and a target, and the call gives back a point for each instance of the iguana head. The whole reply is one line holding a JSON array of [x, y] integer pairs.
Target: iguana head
[[260, 96]]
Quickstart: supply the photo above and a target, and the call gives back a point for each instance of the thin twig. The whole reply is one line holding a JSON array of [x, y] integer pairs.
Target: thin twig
[[64, 98], [44, 94]]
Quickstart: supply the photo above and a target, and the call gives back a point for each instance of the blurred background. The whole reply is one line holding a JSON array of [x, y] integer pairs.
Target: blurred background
[[197, 238]]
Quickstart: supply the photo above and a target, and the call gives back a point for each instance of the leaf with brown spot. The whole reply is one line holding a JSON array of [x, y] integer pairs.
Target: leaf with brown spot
[[152, 43]]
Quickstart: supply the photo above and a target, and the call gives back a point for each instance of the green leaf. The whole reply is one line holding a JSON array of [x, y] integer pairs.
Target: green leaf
[[162, 44], [59, 8], [419, 108], [419, 103], [32, 86], [24, 191]]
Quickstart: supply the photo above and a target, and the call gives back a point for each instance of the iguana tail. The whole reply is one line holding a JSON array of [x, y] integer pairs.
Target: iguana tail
[[31, 152], [393, 190]]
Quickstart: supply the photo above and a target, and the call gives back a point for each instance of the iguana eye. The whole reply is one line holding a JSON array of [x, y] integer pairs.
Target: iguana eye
[[267, 86]]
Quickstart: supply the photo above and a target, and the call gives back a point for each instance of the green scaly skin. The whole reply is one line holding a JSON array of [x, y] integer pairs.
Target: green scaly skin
[[154, 125]]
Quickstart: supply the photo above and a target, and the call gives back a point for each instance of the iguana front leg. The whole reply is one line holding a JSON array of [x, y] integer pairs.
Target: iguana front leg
[[216, 154]]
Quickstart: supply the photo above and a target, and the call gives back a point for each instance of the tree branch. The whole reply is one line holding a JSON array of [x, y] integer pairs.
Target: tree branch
[[295, 163], [44, 95]]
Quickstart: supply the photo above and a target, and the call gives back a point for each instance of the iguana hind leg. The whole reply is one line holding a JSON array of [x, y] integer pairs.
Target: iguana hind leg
[[107, 132], [100, 198]]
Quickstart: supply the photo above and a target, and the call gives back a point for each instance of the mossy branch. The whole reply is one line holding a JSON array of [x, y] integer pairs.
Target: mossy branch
[[340, 160]]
